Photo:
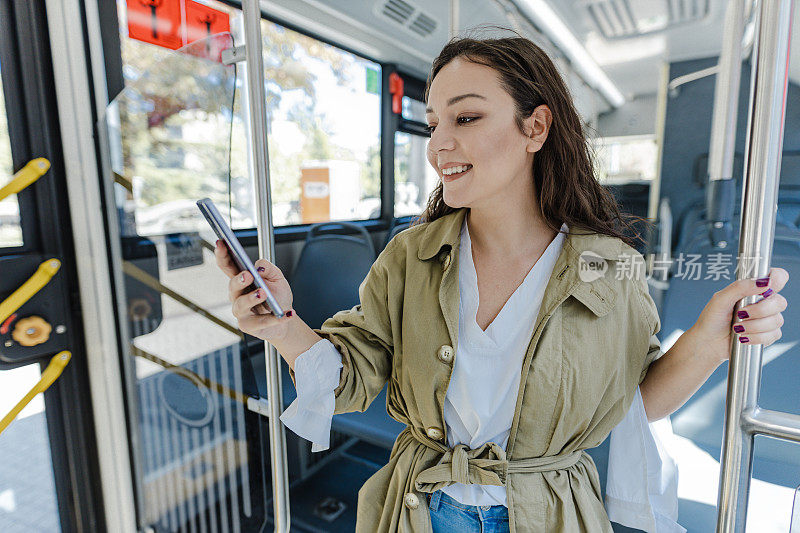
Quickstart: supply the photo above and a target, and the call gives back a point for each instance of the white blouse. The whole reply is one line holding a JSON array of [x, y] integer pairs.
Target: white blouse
[[644, 498]]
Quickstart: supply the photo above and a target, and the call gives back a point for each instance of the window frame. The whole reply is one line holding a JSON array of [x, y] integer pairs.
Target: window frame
[[414, 88], [12, 56]]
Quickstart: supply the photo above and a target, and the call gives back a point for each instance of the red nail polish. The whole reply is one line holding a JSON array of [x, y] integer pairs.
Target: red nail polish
[[762, 282], [743, 314], [766, 293], [289, 312], [743, 339], [258, 294], [738, 329], [261, 269]]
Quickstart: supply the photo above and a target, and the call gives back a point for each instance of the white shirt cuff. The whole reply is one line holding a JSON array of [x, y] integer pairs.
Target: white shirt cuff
[[642, 483], [317, 374]]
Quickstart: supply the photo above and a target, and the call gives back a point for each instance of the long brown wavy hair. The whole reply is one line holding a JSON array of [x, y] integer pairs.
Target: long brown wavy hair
[[563, 170]]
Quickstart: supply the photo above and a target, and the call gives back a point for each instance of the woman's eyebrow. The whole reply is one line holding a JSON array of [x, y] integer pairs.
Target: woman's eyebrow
[[458, 98]]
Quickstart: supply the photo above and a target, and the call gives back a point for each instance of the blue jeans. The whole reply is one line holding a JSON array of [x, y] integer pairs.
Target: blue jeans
[[449, 515]]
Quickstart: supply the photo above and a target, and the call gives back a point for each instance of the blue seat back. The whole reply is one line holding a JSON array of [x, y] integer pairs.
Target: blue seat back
[[329, 271]]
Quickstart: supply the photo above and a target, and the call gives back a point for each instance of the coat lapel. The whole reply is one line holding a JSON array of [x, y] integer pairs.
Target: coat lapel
[[441, 240], [598, 296]]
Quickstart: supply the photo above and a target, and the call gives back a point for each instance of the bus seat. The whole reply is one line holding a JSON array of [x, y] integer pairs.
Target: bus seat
[[395, 229], [373, 425], [330, 269], [694, 236]]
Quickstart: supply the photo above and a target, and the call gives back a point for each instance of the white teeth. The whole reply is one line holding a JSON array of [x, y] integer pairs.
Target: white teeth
[[455, 170]]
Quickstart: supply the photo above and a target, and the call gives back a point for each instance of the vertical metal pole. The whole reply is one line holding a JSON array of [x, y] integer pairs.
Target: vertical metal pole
[[762, 171], [721, 192], [251, 13], [726, 95], [454, 6]]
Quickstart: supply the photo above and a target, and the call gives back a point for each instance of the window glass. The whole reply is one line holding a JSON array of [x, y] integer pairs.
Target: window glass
[[171, 129], [324, 130], [414, 177], [323, 105], [413, 109], [624, 159], [10, 229], [27, 485]]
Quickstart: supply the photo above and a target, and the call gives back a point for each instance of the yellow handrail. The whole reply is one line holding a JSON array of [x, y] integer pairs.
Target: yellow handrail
[[50, 374], [40, 278], [28, 174]]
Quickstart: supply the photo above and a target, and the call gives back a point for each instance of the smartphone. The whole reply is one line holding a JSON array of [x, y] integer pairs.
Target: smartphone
[[236, 250]]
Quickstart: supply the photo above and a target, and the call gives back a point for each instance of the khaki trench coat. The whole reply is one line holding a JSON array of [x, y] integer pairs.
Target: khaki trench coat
[[590, 348]]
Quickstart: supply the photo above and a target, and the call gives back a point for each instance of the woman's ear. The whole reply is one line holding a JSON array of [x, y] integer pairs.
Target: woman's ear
[[537, 126]]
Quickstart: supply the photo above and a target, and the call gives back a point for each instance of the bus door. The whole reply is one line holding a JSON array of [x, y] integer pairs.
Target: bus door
[[196, 433], [48, 471]]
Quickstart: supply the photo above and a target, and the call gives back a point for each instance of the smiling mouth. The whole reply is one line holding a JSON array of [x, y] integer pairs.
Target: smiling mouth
[[459, 171]]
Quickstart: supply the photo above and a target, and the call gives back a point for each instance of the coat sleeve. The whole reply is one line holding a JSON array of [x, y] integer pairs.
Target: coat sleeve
[[363, 337], [654, 326]]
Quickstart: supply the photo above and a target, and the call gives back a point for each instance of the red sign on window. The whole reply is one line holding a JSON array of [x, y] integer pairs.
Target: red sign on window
[[155, 21], [202, 21], [162, 22]]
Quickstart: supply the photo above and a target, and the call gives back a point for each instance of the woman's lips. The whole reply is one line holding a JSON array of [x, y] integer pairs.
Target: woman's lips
[[454, 177]]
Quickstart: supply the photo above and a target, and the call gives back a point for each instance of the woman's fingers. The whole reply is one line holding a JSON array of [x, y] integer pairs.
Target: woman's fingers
[[765, 338], [754, 326], [238, 284], [223, 258], [769, 305], [742, 288], [268, 271], [243, 305]]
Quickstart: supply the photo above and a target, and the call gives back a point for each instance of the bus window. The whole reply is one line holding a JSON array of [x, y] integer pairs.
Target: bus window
[[630, 158], [171, 140], [413, 109], [324, 140], [10, 228], [414, 178]]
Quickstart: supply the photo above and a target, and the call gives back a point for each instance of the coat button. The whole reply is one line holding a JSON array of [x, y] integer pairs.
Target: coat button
[[412, 502], [435, 433], [445, 353]]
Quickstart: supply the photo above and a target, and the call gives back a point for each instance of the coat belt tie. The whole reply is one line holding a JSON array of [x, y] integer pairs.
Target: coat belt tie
[[486, 465]]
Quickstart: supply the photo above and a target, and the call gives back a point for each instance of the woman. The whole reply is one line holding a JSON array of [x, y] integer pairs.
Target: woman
[[504, 356]]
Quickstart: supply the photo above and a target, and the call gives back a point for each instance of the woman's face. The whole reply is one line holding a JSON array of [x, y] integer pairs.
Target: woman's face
[[474, 134]]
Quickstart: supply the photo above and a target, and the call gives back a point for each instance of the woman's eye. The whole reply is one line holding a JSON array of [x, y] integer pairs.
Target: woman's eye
[[466, 120], [430, 129]]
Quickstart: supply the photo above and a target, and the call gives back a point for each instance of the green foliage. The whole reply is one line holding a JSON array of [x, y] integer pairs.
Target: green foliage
[[180, 138]]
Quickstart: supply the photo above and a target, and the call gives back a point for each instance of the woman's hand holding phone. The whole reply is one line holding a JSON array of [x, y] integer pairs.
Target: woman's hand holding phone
[[289, 335], [254, 318]]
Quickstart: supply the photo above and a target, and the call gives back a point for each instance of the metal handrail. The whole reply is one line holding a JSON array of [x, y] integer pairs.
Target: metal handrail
[[35, 169], [27, 290], [251, 14], [720, 191], [743, 418], [50, 374]]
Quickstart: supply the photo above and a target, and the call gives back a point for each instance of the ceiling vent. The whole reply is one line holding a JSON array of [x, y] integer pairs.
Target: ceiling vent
[[408, 16], [631, 18]]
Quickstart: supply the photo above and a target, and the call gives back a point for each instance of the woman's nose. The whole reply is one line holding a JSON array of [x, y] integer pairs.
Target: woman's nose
[[441, 139]]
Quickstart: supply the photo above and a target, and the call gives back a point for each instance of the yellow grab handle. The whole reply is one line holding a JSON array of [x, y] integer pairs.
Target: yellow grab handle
[[50, 374], [42, 277], [28, 174]]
